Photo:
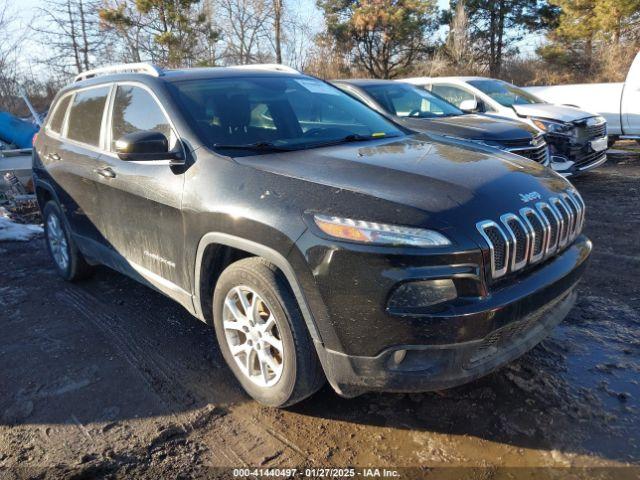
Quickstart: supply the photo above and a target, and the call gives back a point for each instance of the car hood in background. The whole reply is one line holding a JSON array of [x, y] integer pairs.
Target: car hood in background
[[562, 113], [435, 177], [476, 127]]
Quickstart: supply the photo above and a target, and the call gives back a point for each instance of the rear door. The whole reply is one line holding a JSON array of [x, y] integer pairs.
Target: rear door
[[139, 202], [71, 154]]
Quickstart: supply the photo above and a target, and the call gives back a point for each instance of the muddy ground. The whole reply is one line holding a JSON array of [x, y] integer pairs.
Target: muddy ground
[[107, 377]]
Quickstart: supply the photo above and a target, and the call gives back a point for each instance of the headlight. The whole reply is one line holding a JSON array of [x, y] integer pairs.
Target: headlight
[[378, 233], [549, 126]]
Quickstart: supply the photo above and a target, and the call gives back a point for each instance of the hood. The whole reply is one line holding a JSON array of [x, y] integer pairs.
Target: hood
[[476, 127], [562, 113], [449, 183]]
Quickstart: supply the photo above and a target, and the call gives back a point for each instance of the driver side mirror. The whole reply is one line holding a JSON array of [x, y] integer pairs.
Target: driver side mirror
[[146, 146], [469, 106]]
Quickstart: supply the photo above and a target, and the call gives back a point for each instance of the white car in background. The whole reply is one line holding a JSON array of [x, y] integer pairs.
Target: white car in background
[[619, 103], [577, 139]]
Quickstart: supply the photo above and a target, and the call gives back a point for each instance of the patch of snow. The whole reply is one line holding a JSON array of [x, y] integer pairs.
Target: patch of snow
[[16, 232]]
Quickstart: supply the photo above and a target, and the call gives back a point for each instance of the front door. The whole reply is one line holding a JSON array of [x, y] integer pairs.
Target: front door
[[140, 201]]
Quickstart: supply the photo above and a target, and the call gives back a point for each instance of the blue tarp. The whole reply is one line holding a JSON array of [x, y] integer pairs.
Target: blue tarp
[[17, 131]]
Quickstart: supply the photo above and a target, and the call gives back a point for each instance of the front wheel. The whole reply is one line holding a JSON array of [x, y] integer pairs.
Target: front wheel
[[262, 334]]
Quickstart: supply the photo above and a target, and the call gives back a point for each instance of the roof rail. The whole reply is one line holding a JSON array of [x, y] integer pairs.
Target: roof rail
[[147, 68], [277, 67]]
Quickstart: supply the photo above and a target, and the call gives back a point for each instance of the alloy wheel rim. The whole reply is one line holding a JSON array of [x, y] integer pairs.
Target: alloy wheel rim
[[253, 337], [57, 242]]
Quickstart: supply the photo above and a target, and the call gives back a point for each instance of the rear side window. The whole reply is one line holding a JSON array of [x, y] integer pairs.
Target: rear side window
[[135, 110], [55, 125], [85, 116]]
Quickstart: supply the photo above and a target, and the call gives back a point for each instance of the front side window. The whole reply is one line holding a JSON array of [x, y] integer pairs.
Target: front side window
[[453, 95], [504, 93], [409, 101], [284, 112], [55, 124], [85, 115], [135, 110]]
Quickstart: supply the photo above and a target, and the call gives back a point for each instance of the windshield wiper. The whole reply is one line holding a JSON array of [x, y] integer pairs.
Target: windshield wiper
[[258, 146], [348, 139]]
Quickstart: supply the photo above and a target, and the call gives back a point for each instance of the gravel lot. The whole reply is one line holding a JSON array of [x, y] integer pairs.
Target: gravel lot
[[109, 378]]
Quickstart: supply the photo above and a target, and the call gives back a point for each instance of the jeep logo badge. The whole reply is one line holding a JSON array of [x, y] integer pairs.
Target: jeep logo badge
[[527, 197]]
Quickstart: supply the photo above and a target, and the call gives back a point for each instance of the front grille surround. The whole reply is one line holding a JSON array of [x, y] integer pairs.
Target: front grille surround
[[534, 234], [484, 227]]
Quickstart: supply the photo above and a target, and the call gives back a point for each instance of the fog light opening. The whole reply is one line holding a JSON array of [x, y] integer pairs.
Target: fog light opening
[[423, 293]]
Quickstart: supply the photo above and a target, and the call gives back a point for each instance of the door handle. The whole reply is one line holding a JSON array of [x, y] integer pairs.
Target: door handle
[[106, 172]]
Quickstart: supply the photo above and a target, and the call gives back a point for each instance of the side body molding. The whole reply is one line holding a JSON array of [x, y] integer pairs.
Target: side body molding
[[262, 251]]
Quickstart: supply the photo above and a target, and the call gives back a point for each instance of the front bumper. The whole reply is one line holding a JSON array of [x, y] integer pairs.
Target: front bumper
[[479, 336], [429, 368], [570, 158]]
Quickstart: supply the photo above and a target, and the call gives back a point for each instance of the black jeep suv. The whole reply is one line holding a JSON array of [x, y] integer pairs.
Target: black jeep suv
[[319, 239]]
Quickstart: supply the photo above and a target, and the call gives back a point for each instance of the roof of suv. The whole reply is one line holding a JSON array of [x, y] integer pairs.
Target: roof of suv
[[442, 79], [363, 82], [182, 74]]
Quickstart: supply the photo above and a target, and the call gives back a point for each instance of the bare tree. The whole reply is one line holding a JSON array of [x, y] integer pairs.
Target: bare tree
[[9, 53], [70, 30], [244, 26], [277, 28], [458, 44], [297, 39]]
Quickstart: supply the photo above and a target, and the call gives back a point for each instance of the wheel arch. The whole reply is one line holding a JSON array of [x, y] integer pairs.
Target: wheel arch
[[45, 193], [211, 243]]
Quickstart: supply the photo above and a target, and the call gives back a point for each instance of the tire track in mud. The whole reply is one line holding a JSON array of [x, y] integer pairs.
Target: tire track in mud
[[237, 440], [150, 370]]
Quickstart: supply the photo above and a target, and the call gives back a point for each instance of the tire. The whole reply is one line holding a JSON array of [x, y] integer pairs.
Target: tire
[[296, 372], [60, 242]]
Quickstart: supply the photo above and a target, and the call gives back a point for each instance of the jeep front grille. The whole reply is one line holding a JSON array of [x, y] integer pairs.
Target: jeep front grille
[[532, 234]]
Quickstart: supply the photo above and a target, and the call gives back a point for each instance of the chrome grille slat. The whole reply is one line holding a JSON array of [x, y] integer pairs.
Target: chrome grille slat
[[577, 209], [533, 233], [553, 221], [536, 251], [507, 220], [578, 199], [563, 220]]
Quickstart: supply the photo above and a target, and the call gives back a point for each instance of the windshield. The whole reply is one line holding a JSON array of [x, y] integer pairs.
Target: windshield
[[277, 113], [408, 101], [504, 93]]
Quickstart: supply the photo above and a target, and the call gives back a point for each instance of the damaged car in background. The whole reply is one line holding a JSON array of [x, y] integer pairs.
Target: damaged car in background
[[618, 103], [577, 139]]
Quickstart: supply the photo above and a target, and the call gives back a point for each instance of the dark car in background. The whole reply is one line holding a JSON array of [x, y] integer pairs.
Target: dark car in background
[[417, 109], [318, 238]]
